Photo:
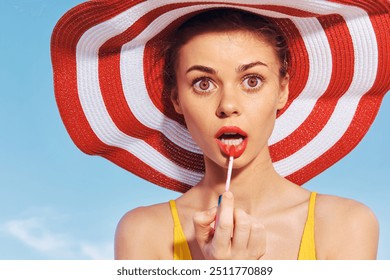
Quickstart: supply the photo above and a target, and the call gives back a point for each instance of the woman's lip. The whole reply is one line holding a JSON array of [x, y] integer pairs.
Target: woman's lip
[[232, 150], [230, 129]]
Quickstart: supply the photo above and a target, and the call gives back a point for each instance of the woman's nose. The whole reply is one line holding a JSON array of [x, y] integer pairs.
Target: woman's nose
[[228, 104]]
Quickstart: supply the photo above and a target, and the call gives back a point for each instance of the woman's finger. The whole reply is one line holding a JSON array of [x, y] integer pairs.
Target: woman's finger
[[224, 224], [257, 240], [242, 231]]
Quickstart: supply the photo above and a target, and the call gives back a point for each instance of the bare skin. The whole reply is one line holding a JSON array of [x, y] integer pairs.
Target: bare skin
[[232, 79]]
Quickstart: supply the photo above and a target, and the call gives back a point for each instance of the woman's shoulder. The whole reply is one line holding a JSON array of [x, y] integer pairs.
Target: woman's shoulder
[[145, 233], [337, 209], [345, 228], [154, 211]]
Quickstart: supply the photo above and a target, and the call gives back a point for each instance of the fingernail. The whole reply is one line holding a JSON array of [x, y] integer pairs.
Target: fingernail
[[228, 195]]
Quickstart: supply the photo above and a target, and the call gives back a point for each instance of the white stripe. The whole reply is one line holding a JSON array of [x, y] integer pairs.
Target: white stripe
[[97, 114], [366, 66]]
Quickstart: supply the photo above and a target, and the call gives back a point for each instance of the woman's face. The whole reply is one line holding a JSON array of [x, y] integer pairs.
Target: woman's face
[[228, 90]]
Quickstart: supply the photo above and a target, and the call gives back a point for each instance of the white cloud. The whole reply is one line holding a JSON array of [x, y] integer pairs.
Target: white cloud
[[35, 232]]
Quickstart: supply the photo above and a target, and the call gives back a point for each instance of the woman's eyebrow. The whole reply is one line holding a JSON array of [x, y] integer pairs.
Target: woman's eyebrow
[[202, 69], [210, 70], [245, 67]]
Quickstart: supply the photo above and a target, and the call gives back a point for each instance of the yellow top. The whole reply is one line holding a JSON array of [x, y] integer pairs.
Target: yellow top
[[307, 249]]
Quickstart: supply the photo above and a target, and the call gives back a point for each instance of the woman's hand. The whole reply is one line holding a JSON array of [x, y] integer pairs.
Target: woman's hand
[[236, 235]]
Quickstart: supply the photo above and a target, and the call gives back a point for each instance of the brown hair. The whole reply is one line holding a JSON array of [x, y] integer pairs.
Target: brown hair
[[222, 20]]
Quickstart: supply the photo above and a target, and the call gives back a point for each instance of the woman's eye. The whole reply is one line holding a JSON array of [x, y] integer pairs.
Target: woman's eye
[[252, 82], [203, 85]]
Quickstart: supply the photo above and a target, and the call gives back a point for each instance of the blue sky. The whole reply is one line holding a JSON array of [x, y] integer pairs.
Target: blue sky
[[57, 203]]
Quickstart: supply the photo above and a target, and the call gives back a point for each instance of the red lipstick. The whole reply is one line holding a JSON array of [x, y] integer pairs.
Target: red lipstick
[[231, 140]]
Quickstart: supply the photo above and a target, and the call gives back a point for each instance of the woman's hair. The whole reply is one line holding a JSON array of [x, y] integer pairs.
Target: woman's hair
[[223, 20]]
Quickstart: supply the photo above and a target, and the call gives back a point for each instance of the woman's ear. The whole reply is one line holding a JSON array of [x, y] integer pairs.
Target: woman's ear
[[176, 102], [284, 92]]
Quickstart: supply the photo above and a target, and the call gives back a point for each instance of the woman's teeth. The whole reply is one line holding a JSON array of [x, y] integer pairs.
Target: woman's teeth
[[232, 142]]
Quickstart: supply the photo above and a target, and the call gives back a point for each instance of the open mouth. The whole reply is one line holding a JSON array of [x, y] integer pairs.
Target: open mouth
[[231, 140]]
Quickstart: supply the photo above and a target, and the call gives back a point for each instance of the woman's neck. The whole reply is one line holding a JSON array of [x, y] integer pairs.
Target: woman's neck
[[252, 185]]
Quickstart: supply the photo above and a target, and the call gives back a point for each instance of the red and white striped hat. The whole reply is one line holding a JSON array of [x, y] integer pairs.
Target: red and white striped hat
[[108, 83]]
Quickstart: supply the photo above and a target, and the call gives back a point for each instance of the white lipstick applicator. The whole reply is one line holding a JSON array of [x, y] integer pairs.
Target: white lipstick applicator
[[228, 177], [229, 173]]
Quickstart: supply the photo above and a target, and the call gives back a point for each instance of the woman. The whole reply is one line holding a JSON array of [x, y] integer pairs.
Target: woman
[[229, 80]]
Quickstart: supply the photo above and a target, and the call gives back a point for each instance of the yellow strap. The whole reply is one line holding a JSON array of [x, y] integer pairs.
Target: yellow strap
[[181, 251], [307, 250]]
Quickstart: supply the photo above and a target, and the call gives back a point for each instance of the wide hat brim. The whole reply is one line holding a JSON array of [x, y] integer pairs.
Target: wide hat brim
[[109, 87]]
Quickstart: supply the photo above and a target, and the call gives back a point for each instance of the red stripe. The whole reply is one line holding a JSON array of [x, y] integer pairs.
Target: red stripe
[[341, 78]]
